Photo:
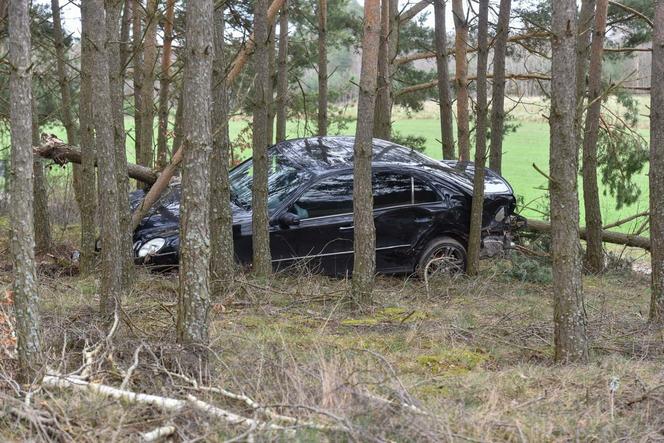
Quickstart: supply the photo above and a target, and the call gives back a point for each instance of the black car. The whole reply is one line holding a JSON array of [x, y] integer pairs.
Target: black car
[[421, 209]]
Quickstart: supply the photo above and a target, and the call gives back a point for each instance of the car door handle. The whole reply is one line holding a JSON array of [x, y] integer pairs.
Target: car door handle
[[346, 228]]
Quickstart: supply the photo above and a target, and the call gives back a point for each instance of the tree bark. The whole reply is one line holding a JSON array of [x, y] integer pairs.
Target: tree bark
[[657, 165], [111, 234], [147, 101], [282, 74], [617, 238], [65, 92], [322, 67], [22, 243], [116, 82], [582, 55], [444, 96], [477, 206], [461, 48], [594, 250], [194, 299], [262, 260], [498, 93], [88, 207], [137, 40], [382, 116], [272, 69], [40, 195], [569, 313], [222, 259], [164, 85], [125, 30], [364, 265]]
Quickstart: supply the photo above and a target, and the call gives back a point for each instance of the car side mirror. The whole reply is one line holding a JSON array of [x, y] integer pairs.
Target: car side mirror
[[288, 219]]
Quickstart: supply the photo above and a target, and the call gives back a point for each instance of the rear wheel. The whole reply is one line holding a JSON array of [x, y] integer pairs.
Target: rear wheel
[[442, 256]]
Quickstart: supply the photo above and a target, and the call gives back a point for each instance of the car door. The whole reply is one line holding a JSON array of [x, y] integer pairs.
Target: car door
[[323, 239], [404, 209]]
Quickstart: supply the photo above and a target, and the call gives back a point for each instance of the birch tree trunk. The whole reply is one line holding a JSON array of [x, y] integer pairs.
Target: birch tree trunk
[[444, 96], [498, 93], [137, 44], [461, 81], [657, 164], [322, 67], [282, 74], [164, 85], [364, 265], [594, 248], [569, 313], [88, 207], [194, 299], [111, 234], [262, 259], [39, 193], [222, 259], [477, 206], [22, 243], [382, 124], [147, 90]]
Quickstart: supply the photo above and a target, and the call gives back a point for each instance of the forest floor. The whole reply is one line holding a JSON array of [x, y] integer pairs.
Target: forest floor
[[466, 359]]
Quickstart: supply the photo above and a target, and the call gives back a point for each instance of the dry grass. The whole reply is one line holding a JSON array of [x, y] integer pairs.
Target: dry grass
[[468, 361]]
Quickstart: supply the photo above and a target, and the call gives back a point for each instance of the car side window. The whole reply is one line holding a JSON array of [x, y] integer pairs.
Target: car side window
[[395, 189], [332, 196]]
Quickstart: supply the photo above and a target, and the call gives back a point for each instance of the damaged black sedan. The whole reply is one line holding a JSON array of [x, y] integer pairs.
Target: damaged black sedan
[[421, 210]]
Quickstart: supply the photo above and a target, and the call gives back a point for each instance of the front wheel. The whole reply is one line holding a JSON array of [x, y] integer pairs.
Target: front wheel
[[442, 256]]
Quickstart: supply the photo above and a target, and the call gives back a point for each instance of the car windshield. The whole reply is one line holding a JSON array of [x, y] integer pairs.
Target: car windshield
[[283, 178]]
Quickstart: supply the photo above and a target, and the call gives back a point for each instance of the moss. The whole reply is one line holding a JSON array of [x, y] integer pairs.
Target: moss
[[388, 315], [454, 361]]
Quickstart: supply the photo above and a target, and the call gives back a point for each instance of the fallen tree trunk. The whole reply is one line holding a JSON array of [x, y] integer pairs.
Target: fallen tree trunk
[[617, 238], [61, 153]]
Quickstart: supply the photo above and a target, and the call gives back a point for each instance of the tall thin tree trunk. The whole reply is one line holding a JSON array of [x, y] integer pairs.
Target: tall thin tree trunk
[[137, 44], [111, 234], [116, 83], [282, 74], [582, 55], [498, 92], [177, 125], [262, 260], [164, 84], [88, 207], [444, 96], [364, 265], [477, 206], [222, 259], [40, 204], [65, 92], [594, 249], [272, 68], [125, 30], [461, 81], [382, 116], [147, 100], [657, 165], [26, 297], [569, 315], [194, 299], [322, 67]]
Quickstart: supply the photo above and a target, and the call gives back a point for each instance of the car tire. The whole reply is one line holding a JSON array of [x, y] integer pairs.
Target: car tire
[[449, 253]]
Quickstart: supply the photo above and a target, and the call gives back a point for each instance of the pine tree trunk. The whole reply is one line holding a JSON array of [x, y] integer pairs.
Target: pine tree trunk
[[582, 55], [88, 207], [322, 67], [137, 44], [110, 295], [125, 30], [22, 243], [498, 93], [444, 96], [477, 206], [65, 92], [272, 68], [147, 100], [194, 299], [383, 114], [594, 249], [40, 195], [569, 314], [177, 126], [164, 85], [657, 164], [364, 265], [461, 80], [282, 74], [262, 261], [222, 259]]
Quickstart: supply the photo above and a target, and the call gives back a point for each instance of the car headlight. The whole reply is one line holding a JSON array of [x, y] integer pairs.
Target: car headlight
[[151, 247], [500, 215]]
